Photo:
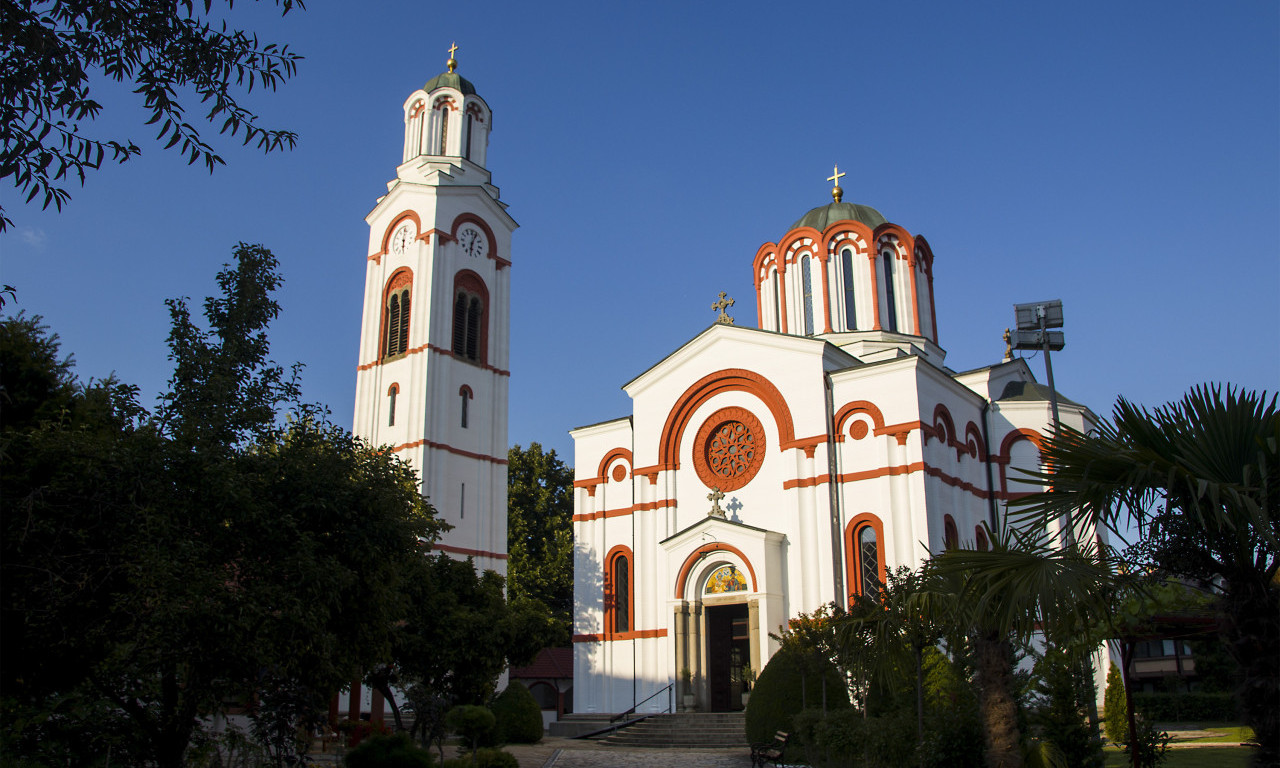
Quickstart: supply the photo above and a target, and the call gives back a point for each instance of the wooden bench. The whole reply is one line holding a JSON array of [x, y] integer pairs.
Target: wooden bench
[[770, 752]]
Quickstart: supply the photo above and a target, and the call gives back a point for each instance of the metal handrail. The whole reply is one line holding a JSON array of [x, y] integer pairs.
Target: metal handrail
[[634, 707]]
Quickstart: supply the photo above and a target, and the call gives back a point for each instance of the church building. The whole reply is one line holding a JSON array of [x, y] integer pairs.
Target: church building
[[764, 472]]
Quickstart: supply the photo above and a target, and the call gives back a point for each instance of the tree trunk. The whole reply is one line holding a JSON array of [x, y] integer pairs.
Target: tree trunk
[[1126, 658], [999, 709]]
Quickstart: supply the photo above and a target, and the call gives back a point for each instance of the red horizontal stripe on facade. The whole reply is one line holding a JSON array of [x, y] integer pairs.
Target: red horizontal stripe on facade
[[449, 448], [639, 634], [469, 552]]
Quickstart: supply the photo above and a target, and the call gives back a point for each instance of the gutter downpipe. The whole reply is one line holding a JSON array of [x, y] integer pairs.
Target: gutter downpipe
[[837, 572], [991, 493]]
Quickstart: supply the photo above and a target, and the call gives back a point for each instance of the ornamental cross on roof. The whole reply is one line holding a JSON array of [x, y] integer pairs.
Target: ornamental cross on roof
[[720, 306], [836, 191], [452, 63]]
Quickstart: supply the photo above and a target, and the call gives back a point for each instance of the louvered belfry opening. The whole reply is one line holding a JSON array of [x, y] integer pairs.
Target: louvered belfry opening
[[396, 328]]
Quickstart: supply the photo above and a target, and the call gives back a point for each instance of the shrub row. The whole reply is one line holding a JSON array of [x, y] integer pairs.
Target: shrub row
[[1180, 707]]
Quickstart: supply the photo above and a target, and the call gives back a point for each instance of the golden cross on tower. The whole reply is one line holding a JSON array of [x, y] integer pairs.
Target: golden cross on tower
[[452, 63], [720, 306], [836, 191]]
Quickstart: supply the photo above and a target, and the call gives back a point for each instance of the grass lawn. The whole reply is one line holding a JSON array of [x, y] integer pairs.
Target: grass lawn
[[1198, 757]]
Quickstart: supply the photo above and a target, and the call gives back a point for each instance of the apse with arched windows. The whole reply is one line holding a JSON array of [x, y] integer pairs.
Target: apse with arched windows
[[470, 317]]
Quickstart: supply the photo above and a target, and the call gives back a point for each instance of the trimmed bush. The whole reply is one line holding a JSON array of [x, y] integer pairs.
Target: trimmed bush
[[476, 725], [519, 716], [790, 682], [394, 751], [484, 758]]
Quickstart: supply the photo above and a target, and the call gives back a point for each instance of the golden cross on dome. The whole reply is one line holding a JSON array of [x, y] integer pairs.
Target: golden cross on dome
[[836, 191], [720, 306], [452, 63]]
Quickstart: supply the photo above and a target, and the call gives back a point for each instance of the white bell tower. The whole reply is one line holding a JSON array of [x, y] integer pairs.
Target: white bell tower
[[434, 344]]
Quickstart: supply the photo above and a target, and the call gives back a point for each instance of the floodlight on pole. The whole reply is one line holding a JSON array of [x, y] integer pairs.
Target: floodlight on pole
[[1034, 320]]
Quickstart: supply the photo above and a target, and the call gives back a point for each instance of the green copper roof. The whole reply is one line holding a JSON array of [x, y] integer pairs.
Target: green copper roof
[[825, 215], [450, 80]]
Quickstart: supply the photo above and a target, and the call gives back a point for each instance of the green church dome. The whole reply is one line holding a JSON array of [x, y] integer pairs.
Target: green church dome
[[450, 80], [825, 215]]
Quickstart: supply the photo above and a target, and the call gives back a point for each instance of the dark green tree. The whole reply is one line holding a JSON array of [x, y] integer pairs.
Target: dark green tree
[[161, 567], [540, 532], [53, 50]]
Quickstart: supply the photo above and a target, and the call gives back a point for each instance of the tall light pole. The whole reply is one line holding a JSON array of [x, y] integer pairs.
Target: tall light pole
[[1034, 321]]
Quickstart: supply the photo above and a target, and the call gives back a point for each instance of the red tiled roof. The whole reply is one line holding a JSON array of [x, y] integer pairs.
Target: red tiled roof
[[550, 663]]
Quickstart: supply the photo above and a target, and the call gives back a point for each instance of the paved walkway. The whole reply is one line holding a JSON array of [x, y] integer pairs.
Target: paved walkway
[[573, 753]]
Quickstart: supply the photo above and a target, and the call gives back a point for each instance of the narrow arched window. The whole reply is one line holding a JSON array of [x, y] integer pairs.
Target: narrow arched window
[[807, 284], [868, 562], [444, 130], [392, 346], [850, 308], [950, 537], [777, 301], [621, 594], [391, 404], [980, 539], [465, 392], [890, 299], [467, 136]]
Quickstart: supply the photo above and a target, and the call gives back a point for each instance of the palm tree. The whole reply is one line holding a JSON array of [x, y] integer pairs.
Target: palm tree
[[1201, 477], [1024, 587]]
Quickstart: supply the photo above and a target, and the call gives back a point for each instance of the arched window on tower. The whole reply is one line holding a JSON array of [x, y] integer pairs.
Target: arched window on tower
[[618, 591], [891, 302], [395, 315], [777, 301], [392, 392], [470, 317], [850, 307], [807, 284], [864, 555], [980, 539], [444, 132]]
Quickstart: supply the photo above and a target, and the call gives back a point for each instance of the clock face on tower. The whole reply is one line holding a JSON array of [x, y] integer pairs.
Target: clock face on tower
[[473, 241], [400, 240]]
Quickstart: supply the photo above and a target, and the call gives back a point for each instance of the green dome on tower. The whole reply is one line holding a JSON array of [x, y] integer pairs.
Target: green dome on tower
[[450, 80], [825, 215]]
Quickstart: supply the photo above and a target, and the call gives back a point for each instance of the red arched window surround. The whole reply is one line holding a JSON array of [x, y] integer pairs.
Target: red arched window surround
[[392, 392], [854, 561], [394, 329], [619, 591], [950, 536], [470, 317], [980, 539]]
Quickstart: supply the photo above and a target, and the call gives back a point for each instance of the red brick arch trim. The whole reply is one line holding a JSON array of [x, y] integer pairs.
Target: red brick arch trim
[[1018, 434], [703, 390], [698, 554], [610, 457], [466, 392], [848, 410], [399, 219], [853, 555], [973, 440]]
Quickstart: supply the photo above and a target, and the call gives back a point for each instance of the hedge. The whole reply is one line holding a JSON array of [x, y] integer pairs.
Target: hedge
[[1183, 707]]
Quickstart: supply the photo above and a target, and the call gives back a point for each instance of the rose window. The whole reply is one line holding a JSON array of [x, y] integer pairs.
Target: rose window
[[729, 449]]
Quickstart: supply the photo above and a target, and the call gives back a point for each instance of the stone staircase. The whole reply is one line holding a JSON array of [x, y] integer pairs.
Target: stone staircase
[[686, 730]]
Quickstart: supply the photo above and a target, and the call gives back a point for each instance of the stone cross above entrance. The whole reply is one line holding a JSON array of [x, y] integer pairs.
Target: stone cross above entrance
[[714, 497]]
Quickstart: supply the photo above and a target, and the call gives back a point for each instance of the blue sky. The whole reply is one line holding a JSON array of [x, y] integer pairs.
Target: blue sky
[[1123, 157]]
